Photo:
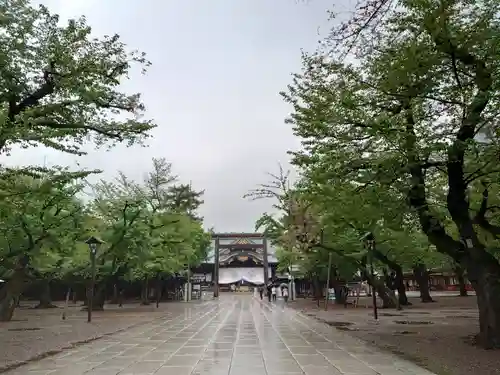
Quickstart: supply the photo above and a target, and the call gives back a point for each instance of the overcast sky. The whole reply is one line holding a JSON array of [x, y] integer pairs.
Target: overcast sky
[[218, 66]]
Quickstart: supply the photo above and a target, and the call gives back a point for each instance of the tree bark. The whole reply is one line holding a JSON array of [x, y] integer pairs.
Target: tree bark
[[484, 275], [422, 277], [459, 272], [388, 301], [115, 298], [159, 290], [483, 270], [317, 289], [98, 299], [11, 293], [45, 296], [145, 292], [399, 281], [401, 288]]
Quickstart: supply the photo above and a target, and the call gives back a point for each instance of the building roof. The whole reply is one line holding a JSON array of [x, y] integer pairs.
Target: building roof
[[271, 250]]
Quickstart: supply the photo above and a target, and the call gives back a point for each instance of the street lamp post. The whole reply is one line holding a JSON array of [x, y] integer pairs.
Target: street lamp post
[[370, 241], [93, 243], [328, 280]]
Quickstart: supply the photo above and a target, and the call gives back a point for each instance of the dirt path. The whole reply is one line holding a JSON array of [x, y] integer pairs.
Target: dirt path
[[436, 335]]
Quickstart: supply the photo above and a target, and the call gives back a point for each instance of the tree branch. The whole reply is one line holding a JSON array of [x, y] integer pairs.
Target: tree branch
[[480, 218]]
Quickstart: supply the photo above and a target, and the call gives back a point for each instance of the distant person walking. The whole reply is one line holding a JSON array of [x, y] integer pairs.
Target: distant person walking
[[261, 292], [285, 294], [269, 291], [273, 292]]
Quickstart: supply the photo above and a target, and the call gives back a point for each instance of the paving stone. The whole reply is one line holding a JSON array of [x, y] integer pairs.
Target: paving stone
[[236, 335]]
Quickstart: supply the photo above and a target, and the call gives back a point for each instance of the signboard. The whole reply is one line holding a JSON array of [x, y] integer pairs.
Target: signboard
[[201, 277]]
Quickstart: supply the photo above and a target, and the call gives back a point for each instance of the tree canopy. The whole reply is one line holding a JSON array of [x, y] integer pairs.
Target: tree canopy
[[60, 84], [397, 115]]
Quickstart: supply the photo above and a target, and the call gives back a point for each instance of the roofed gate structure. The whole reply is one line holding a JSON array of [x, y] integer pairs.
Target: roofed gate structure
[[237, 257]]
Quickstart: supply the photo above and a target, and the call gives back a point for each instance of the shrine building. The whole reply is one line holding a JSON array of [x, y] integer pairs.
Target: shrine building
[[237, 258]]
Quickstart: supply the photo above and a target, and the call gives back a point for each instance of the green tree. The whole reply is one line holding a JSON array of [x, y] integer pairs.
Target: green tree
[[417, 111], [38, 215], [60, 85], [145, 234]]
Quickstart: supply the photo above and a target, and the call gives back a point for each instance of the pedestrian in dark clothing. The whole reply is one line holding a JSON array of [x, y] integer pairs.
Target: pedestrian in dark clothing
[[269, 290], [261, 292]]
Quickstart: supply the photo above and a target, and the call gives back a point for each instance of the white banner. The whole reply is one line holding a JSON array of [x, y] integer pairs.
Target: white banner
[[252, 275]]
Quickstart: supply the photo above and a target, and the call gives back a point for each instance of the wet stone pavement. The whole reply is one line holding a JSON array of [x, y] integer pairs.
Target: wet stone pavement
[[236, 335]]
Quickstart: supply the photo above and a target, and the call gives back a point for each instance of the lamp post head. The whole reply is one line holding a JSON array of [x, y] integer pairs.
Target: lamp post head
[[93, 243]]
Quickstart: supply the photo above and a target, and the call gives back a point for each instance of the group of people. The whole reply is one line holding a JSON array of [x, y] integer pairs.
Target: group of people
[[272, 291]]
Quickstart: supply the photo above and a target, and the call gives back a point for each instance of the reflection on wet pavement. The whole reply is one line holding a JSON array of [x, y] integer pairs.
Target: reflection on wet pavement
[[236, 335]]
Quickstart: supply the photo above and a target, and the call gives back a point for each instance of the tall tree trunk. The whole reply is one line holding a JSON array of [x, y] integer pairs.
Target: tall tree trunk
[[11, 293], [45, 296], [399, 280], [99, 298], [388, 300], [422, 277], [115, 297], [401, 288], [159, 289], [459, 272], [316, 288], [484, 275], [145, 292]]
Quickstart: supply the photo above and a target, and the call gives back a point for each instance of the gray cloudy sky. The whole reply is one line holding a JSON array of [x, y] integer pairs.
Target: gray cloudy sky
[[218, 66]]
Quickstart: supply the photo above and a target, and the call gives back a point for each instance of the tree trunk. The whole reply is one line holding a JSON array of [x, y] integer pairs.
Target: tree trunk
[[399, 279], [120, 298], [340, 294], [400, 286], [484, 275], [145, 292], [10, 295], [98, 300], [388, 301], [316, 289], [459, 272], [422, 277], [159, 289], [45, 297], [115, 298]]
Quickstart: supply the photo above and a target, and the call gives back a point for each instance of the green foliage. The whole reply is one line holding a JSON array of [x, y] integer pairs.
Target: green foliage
[[60, 85], [408, 128], [145, 230], [40, 218]]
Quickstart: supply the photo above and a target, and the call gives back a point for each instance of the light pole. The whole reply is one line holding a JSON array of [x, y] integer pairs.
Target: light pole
[[328, 280], [93, 243], [370, 242]]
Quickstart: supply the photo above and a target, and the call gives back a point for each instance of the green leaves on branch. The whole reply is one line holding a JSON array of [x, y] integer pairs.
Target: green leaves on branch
[[60, 84]]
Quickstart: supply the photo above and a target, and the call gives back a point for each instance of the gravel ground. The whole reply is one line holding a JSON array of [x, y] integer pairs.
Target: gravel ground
[[36, 333], [436, 335]]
